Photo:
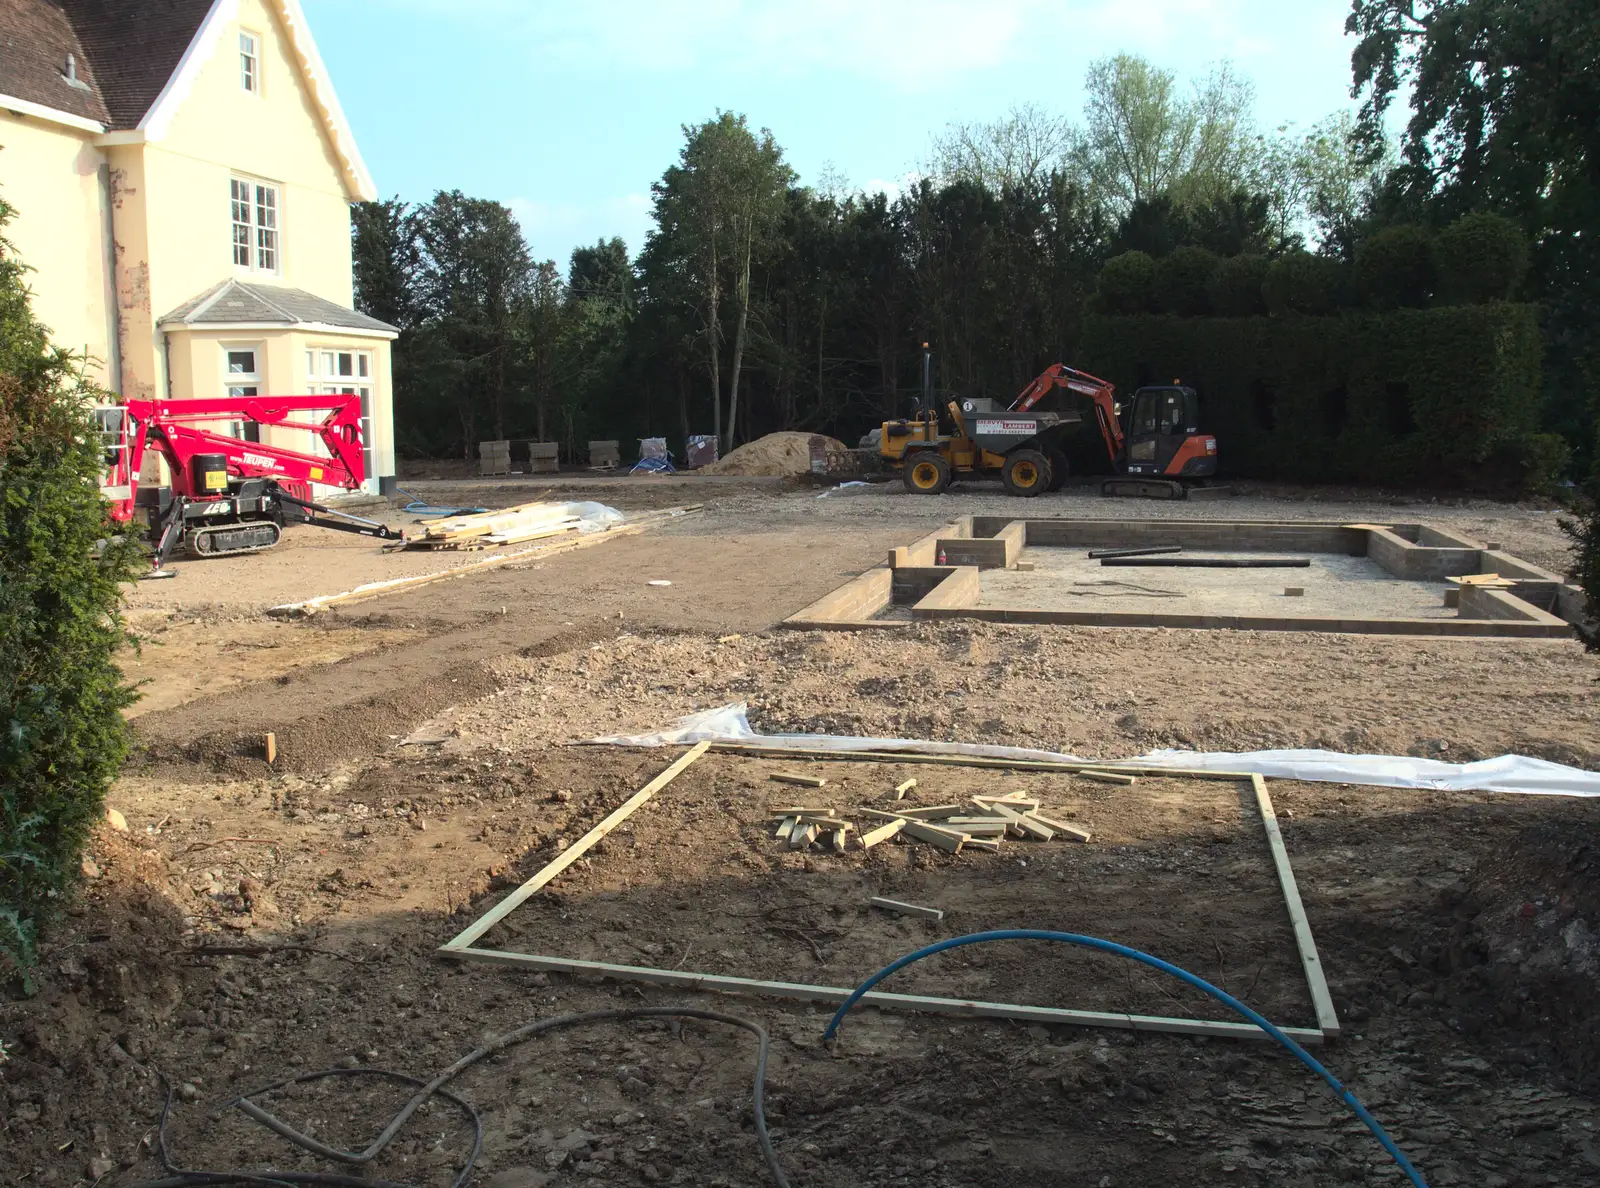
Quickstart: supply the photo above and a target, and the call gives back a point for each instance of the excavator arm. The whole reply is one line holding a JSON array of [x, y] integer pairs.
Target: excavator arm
[[1101, 392]]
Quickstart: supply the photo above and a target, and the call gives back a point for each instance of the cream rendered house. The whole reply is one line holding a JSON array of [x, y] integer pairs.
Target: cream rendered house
[[182, 174]]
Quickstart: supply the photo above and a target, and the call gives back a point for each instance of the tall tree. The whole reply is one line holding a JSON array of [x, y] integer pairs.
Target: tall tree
[[715, 209], [1503, 101], [1020, 148], [475, 273], [386, 257], [1144, 137]]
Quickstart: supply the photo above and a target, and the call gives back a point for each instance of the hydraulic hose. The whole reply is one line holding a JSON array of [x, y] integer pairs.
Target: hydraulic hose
[[1166, 967]]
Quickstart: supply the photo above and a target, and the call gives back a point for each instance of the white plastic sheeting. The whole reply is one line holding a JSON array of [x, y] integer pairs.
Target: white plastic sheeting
[[1508, 773], [592, 517]]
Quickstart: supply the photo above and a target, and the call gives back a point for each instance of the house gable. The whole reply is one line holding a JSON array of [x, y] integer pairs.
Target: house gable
[[215, 46], [133, 65]]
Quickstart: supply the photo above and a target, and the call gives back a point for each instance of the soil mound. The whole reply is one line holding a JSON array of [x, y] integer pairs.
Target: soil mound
[[786, 455]]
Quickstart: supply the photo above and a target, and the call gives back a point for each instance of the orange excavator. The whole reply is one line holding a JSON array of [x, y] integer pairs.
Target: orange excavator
[[1157, 454]]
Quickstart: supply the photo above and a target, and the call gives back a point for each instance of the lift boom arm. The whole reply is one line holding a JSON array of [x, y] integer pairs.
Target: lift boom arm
[[173, 428]]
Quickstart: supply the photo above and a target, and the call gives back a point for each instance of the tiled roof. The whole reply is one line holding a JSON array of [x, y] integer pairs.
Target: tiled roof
[[234, 303], [135, 45], [35, 39], [124, 52]]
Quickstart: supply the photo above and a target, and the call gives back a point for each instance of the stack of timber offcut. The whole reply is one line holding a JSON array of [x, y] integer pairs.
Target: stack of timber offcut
[[982, 823], [484, 530]]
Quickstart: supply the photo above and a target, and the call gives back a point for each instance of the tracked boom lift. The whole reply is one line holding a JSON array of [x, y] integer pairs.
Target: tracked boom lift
[[231, 495], [1156, 455]]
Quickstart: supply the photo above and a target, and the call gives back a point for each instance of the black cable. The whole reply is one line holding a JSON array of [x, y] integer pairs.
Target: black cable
[[179, 1178]]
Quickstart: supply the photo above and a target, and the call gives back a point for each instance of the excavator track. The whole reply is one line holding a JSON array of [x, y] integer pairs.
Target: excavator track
[[1144, 488], [222, 540]]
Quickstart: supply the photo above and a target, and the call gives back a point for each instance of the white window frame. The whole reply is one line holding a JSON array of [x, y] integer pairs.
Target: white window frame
[[255, 214], [250, 61], [325, 377], [242, 383]]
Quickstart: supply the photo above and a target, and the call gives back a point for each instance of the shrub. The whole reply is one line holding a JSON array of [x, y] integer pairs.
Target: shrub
[[1235, 287], [1584, 528], [1481, 257], [1127, 284], [1397, 267], [1183, 279], [62, 735], [1300, 283]]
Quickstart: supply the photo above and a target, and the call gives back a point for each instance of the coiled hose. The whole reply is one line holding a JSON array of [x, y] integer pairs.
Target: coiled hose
[[1166, 967]]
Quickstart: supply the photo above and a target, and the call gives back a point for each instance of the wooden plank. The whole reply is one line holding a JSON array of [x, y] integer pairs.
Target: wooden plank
[[834, 995], [1327, 1017], [978, 826], [804, 781], [1109, 777], [906, 909], [932, 812], [945, 839], [575, 851], [802, 835], [782, 832], [900, 790], [838, 839], [1071, 831], [882, 833], [992, 844]]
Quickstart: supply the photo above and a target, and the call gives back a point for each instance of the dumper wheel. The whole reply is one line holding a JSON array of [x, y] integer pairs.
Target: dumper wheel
[[926, 474], [1026, 473], [1059, 469]]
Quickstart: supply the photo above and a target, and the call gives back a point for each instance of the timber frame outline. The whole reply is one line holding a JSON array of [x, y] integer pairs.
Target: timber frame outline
[[464, 947]]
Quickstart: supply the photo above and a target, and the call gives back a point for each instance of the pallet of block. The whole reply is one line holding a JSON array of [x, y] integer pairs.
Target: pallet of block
[[982, 823], [483, 530]]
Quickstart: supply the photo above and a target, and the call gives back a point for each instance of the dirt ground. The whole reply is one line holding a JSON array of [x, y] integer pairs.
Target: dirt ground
[[260, 922]]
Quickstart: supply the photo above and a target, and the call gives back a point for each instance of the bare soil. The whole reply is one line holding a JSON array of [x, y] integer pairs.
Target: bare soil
[[1460, 932]]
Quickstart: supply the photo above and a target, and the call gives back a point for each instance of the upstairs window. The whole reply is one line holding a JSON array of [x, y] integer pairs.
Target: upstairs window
[[250, 62], [255, 225]]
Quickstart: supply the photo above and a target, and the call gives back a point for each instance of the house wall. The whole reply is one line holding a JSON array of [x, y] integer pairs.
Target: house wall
[[221, 131], [51, 176]]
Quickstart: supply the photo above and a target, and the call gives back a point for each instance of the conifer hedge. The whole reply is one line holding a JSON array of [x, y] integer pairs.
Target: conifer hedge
[[1447, 396], [62, 734]]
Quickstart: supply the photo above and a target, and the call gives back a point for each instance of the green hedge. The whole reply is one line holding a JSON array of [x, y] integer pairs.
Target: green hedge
[[1439, 397], [62, 734]]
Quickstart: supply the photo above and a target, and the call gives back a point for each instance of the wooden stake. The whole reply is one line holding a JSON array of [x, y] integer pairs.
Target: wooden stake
[[804, 781], [901, 789], [269, 744], [1327, 1017], [575, 851], [945, 839], [882, 833], [834, 995], [906, 909]]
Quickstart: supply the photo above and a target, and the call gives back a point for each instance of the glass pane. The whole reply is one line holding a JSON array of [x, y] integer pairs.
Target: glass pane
[[249, 390], [346, 363], [363, 365], [327, 363], [242, 362], [311, 362]]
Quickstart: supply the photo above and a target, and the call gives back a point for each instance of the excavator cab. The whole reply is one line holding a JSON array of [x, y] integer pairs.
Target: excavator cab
[[1163, 435]]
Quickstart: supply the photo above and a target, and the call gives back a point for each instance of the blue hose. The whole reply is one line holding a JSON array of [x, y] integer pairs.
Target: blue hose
[[1183, 975]]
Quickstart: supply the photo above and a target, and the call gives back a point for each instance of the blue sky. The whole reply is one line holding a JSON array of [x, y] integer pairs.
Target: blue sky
[[567, 110]]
